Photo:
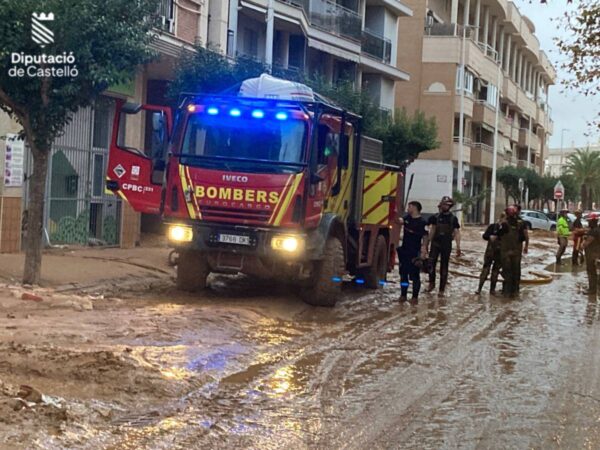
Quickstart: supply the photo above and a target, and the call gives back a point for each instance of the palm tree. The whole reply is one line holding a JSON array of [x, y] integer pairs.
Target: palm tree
[[584, 165]]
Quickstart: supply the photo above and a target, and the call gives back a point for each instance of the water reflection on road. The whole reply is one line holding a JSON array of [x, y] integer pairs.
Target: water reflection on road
[[464, 371]]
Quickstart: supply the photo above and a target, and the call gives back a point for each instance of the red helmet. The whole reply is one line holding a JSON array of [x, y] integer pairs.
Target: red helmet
[[593, 216], [511, 211]]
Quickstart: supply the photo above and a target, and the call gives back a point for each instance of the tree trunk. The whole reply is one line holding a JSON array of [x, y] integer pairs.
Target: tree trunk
[[35, 215], [584, 196]]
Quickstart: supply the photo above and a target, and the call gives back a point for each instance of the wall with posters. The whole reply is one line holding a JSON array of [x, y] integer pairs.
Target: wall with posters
[[12, 156]]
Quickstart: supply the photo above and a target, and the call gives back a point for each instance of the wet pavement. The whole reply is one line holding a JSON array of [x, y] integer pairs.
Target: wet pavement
[[248, 365]]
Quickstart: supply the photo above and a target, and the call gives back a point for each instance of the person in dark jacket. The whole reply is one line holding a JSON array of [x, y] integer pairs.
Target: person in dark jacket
[[512, 234], [591, 246], [414, 247], [443, 229], [578, 233], [492, 256]]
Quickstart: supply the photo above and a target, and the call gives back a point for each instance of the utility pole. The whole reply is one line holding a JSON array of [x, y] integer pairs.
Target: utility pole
[[495, 157], [461, 120], [270, 35]]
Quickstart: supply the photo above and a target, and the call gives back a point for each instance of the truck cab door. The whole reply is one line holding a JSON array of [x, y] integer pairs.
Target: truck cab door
[[137, 154]]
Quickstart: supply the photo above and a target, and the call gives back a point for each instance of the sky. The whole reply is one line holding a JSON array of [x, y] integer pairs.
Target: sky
[[571, 111]]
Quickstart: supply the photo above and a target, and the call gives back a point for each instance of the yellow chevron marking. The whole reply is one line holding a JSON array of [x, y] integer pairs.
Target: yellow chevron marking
[[281, 199], [288, 199], [184, 185], [194, 199]]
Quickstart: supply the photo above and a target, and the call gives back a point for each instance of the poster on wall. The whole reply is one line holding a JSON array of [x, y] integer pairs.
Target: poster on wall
[[14, 160]]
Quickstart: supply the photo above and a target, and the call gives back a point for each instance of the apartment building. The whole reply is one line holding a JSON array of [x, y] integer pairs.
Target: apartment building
[[506, 77], [356, 40]]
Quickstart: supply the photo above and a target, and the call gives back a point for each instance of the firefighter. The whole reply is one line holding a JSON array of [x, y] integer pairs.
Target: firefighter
[[563, 233], [443, 229], [578, 233], [492, 257], [591, 246], [512, 234], [412, 250]]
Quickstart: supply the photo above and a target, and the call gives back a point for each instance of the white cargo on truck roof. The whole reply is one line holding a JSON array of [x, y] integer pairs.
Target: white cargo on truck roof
[[267, 86]]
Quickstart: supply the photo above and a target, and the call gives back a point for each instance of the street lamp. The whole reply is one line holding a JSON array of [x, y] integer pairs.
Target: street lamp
[[562, 138], [495, 154], [461, 119]]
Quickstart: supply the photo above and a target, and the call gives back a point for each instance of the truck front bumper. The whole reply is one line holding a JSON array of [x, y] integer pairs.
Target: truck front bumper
[[271, 244]]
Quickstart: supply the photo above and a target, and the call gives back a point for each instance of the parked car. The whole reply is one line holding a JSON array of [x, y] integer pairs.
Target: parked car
[[537, 220]]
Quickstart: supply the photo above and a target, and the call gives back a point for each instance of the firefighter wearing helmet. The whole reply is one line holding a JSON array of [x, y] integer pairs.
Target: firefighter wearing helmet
[[443, 229], [591, 246], [512, 234]]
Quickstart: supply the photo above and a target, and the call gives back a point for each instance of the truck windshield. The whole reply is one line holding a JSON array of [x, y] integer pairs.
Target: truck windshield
[[226, 141]]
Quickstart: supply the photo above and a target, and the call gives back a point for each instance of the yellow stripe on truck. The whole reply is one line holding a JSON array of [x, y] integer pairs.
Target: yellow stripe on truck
[[185, 187], [378, 184], [288, 199]]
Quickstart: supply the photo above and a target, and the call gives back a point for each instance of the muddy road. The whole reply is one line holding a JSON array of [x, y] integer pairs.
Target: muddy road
[[248, 365]]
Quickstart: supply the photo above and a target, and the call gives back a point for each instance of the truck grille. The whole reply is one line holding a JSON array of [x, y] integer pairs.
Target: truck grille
[[235, 215]]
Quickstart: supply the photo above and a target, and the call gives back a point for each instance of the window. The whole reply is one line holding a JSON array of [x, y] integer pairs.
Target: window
[[221, 139], [492, 95], [468, 82], [329, 143], [250, 42]]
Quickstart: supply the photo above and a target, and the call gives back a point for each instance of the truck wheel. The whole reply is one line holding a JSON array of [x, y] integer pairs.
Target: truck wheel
[[192, 271], [325, 289], [378, 270]]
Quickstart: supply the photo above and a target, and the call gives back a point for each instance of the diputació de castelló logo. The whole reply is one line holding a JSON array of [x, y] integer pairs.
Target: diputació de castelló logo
[[42, 65]]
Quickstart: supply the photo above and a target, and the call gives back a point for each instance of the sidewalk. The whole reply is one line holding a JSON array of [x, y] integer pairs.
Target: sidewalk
[[82, 268]]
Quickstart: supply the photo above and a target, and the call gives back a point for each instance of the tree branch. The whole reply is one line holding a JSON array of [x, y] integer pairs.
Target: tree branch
[[19, 110]]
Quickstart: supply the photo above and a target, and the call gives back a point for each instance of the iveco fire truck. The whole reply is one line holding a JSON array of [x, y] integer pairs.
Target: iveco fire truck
[[274, 181]]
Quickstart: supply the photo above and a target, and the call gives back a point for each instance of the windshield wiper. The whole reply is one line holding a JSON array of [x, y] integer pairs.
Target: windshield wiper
[[233, 158]]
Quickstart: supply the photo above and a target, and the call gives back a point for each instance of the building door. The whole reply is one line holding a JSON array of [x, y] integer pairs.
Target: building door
[[78, 209]]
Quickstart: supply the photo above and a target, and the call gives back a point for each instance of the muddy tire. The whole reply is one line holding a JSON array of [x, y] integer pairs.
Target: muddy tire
[[378, 271], [323, 290], [528, 225], [192, 271]]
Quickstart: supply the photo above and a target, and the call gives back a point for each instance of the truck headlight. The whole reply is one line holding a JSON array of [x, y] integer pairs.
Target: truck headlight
[[289, 244], [180, 233]]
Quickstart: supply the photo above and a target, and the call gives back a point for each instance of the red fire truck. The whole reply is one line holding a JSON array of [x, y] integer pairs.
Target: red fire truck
[[285, 188]]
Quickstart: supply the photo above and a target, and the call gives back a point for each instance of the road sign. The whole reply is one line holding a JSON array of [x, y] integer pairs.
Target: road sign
[[559, 191]]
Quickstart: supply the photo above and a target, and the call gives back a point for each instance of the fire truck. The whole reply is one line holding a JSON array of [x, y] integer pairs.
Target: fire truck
[[274, 182]]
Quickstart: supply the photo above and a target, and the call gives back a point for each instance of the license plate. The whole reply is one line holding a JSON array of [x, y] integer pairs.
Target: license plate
[[234, 239]]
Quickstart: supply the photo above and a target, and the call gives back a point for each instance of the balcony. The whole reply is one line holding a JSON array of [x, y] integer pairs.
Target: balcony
[[482, 155], [527, 139], [466, 149], [509, 90], [376, 46], [333, 18], [523, 163], [484, 113]]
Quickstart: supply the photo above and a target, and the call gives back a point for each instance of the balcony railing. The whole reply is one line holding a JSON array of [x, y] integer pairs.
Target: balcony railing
[[448, 29], [331, 17], [466, 140], [377, 46], [489, 51], [484, 147]]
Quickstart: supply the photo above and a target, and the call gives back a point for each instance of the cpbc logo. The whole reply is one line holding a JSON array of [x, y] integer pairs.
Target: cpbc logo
[[40, 33]]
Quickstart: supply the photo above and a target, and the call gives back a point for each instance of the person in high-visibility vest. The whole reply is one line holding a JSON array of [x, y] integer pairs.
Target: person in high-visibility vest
[[563, 233]]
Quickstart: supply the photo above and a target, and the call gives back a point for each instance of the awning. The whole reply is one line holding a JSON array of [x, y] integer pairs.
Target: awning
[[328, 48]]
